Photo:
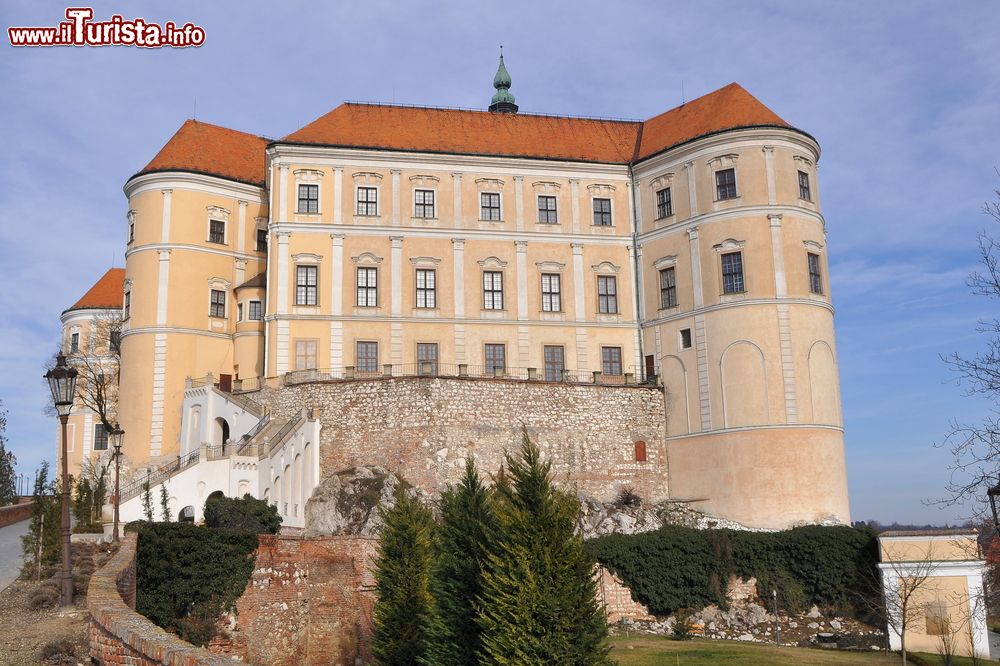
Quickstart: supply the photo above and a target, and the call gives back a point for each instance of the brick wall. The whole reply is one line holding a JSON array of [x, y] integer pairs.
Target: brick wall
[[309, 601], [617, 598], [15, 513], [422, 428], [119, 635]]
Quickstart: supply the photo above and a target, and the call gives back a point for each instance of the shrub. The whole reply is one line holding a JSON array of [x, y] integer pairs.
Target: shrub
[[43, 597], [679, 567], [682, 626], [628, 498], [186, 570], [58, 652], [246, 513]]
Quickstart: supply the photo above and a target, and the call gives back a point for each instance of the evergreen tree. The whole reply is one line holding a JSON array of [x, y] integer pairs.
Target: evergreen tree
[[147, 501], [539, 600], [402, 570], [164, 503], [8, 477], [43, 530], [83, 503], [462, 544]]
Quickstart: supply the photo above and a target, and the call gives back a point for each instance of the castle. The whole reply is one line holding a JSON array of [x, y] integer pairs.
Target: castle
[[656, 291]]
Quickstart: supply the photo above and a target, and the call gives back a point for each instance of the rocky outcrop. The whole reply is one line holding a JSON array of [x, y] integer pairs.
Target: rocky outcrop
[[631, 515], [347, 503]]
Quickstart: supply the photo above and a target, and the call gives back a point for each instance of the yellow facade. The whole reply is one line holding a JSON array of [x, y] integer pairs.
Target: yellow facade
[[750, 373]]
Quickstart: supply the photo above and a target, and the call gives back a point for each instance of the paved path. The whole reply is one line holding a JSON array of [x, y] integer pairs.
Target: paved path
[[10, 551]]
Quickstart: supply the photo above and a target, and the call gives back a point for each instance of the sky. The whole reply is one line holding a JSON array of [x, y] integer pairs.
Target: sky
[[904, 98]]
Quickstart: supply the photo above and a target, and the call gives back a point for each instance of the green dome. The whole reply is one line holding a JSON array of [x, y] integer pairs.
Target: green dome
[[503, 101]]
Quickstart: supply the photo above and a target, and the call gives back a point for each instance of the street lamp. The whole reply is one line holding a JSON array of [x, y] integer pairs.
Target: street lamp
[[62, 383], [992, 493], [116, 436]]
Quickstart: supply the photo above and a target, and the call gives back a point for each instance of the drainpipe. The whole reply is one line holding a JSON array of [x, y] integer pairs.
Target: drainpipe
[[635, 269]]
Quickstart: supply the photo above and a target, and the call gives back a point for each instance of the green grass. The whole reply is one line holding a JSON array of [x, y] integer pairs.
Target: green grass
[[659, 651]]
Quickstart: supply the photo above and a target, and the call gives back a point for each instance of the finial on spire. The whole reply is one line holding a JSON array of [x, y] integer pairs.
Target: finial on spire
[[503, 101]]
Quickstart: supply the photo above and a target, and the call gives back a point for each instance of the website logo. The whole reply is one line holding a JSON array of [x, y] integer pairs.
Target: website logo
[[79, 29]]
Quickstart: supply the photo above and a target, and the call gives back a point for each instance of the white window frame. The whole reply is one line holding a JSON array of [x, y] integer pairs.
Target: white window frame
[[308, 177]]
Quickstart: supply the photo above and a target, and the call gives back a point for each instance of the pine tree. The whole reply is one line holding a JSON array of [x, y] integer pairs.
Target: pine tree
[[43, 537], [147, 501], [462, 544], [539, 601], [8, 475], [164, 503], [402, 571]]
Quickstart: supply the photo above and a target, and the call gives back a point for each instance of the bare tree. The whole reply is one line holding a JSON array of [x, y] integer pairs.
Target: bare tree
[[975, 447], [99, 365], [903, 584]]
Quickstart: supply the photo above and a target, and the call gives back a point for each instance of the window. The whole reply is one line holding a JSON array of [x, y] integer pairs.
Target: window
[[305, 354], [367, 287], [308, 199], [217, 308], [239, 312], [607, 294], [115, 340], [492, 290], [725, 184], [668, 288], [732, 273], [489, 206], [216, 231], [74, 343], [611, 361], [640, 451], [804, 192], [423, 205], [427, 358], [685, 338], [368, 201], [547, 210], [262, 240], [255, 311], [306, 289], [127, 306], [100, 437], [426, 288], [366, 357], [496, 358], [551, 293], [936, 619], [602, 212], [815, 276], [553, 356], [664, 205]]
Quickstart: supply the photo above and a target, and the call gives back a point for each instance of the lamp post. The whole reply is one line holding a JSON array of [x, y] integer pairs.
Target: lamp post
[[116, 436], [62, 383], [992, 493]]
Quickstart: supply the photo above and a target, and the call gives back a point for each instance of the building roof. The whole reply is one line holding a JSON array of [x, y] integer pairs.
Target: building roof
[[957, 531], [213, 150], [429, 130], [210, 149], [105, 294], [259, 280]]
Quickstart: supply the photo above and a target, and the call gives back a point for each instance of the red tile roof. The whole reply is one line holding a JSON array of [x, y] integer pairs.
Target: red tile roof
[[731, 107], [471, 133], [212, 150], [106, 292], [218, 151]]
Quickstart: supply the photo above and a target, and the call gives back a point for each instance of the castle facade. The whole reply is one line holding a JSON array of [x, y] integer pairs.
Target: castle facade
[[686, 251]]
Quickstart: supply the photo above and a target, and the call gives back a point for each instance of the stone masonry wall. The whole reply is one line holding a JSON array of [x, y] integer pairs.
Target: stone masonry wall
[[422, 429], [15, 513], [617, 598], [119, 635], [309, 601]]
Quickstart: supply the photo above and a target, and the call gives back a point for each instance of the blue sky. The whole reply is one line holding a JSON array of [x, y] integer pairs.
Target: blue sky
[[904, 98]]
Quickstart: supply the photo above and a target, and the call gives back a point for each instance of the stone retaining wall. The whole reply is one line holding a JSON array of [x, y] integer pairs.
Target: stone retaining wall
[[309, 602], [422, 428], [119, 635], [15, 513]]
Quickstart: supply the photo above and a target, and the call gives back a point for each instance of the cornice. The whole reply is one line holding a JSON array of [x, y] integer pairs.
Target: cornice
[[193, 180], [449, 232], [763, 210], [825, 305]]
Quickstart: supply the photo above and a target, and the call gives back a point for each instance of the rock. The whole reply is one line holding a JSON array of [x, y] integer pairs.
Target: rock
[[812, 625], [745, 637], [814, 612], [756, 614], [347, 502], [834, 624], [793, 625]]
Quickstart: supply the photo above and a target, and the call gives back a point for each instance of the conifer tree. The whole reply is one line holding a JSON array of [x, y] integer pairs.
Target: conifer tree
[[462, 544], [402, 571], [539, 600], [42, 542]]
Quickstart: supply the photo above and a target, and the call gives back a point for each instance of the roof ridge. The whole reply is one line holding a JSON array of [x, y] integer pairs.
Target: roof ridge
[[223, 127], [465, 109]]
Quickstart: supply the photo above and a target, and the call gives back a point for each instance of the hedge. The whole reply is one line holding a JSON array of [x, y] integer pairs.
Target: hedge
[[188, 574], [680, 567]]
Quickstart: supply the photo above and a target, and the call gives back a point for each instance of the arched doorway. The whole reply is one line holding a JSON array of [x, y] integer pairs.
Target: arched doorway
[[186, 515], [221, 434], [217, 495]]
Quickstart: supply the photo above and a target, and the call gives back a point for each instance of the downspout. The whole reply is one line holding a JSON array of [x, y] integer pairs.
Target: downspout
[[635, 270]]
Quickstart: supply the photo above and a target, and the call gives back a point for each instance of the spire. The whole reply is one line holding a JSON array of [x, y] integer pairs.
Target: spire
[[503, 101]]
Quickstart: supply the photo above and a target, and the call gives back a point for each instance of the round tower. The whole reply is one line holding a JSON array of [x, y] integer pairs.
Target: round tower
[[738, 322]]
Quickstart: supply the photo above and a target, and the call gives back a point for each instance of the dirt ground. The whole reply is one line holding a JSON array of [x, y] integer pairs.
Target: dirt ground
[[24, 632]]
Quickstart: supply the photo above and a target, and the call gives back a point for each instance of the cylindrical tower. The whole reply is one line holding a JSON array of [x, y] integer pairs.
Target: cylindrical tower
[[738, 321], [192, 238]]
